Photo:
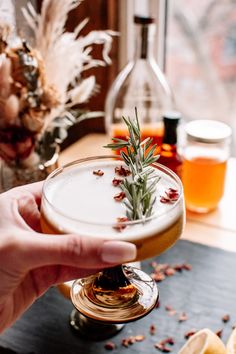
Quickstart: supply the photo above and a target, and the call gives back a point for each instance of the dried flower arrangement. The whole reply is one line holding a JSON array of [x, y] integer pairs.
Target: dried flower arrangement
[[41, 87]]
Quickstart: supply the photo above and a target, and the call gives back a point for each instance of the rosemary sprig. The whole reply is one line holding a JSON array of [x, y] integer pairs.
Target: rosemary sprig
[[140, 188]]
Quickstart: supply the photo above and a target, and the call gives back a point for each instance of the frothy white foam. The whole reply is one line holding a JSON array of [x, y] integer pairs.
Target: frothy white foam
[[81, 202]]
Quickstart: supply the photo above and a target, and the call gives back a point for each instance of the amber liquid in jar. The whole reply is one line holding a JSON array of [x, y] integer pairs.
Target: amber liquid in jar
[[203, 179], [154, 131]]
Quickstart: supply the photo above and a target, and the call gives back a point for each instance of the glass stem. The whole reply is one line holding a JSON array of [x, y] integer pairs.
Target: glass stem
[[112, 278]]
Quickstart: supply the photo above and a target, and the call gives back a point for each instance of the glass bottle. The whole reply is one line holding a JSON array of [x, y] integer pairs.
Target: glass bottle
[[140, 84], [169, 155]]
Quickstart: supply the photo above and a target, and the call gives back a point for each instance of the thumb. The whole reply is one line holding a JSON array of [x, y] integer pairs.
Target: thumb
[[73, 250]]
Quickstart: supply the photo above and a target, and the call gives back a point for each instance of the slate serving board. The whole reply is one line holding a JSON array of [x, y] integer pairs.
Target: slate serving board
[[205, 293]]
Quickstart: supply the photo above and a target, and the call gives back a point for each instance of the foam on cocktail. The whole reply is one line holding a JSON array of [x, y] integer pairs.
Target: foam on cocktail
[[81, 202]]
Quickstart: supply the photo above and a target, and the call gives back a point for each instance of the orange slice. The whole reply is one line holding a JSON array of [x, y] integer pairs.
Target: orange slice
[[204, 342]]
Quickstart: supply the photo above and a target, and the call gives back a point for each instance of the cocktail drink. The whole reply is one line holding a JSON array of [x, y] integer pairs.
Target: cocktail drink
[[84, 197]]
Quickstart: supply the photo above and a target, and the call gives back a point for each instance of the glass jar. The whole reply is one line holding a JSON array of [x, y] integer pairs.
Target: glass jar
[[205, 156], [15, 174]]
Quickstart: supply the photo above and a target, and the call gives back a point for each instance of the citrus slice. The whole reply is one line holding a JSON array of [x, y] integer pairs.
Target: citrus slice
[[203, 342], [231, 344], [65, 288]]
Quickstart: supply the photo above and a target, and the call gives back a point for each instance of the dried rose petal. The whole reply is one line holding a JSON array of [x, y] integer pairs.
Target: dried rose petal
[[131, 340], [162, 348], [226, 318], [164, 199], [161, 267], [172, 313], [182, 317], [159, 346], [178, 267], [171, 195], [125, 342], [98, 173], [169, 272], [128, 341], [109, 346], [190, 333], [158, 276], [120, 223], [169, 308], [187, 266], [119, 196], [219, 333], [122, 219], [116, 182], [139, 338], [168, 340], [152, 329], [121, 171]]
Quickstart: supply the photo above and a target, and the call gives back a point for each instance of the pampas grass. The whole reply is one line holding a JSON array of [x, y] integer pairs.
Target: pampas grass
[[41, 87]]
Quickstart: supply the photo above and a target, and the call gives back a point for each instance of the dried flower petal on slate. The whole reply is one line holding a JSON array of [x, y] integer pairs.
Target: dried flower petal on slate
[[158, 277], [182, 317], [168, 340], [131, 340], [190, 333], [139, 338], [226, 318], [110, 346], [219, 333], [169, 308], [187, 266], [152, 329], [162, 348], [169, 271]]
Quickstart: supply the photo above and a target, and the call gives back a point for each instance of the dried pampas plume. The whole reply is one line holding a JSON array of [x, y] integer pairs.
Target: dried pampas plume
[[41, 87], [66, 54]]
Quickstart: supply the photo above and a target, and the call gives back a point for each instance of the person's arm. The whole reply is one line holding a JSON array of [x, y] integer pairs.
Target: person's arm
[[31, 262]]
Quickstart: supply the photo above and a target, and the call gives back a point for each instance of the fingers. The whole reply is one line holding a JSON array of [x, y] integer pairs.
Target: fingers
[[28, 210], [35, 189], [72, 250], [21, 206], [47, 276]]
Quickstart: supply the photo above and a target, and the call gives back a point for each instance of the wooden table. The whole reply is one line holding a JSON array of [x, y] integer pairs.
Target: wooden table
[[217, 228]]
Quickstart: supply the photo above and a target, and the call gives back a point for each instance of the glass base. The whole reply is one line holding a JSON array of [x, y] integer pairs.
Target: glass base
[[91, 329], [115, 305]]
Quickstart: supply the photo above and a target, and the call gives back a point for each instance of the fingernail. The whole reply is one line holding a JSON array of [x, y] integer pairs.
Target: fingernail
[[118, 252]]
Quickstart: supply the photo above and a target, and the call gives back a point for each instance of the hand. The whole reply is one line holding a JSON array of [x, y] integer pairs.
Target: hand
[[31, 262]]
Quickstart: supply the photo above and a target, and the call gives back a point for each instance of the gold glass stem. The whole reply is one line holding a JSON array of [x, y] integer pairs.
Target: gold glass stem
[[112, 279]]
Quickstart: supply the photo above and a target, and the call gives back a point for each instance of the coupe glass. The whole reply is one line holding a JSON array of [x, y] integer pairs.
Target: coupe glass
[[105, 301]]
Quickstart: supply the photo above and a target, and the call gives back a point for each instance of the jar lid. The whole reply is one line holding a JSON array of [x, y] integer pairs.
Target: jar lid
[[208, 131]]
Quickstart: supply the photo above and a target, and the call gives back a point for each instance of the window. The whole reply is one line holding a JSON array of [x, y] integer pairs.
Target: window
[[201, 59], [197, 48]]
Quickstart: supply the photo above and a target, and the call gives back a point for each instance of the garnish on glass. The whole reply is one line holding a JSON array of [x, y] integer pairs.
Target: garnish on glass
[[140, 187]]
